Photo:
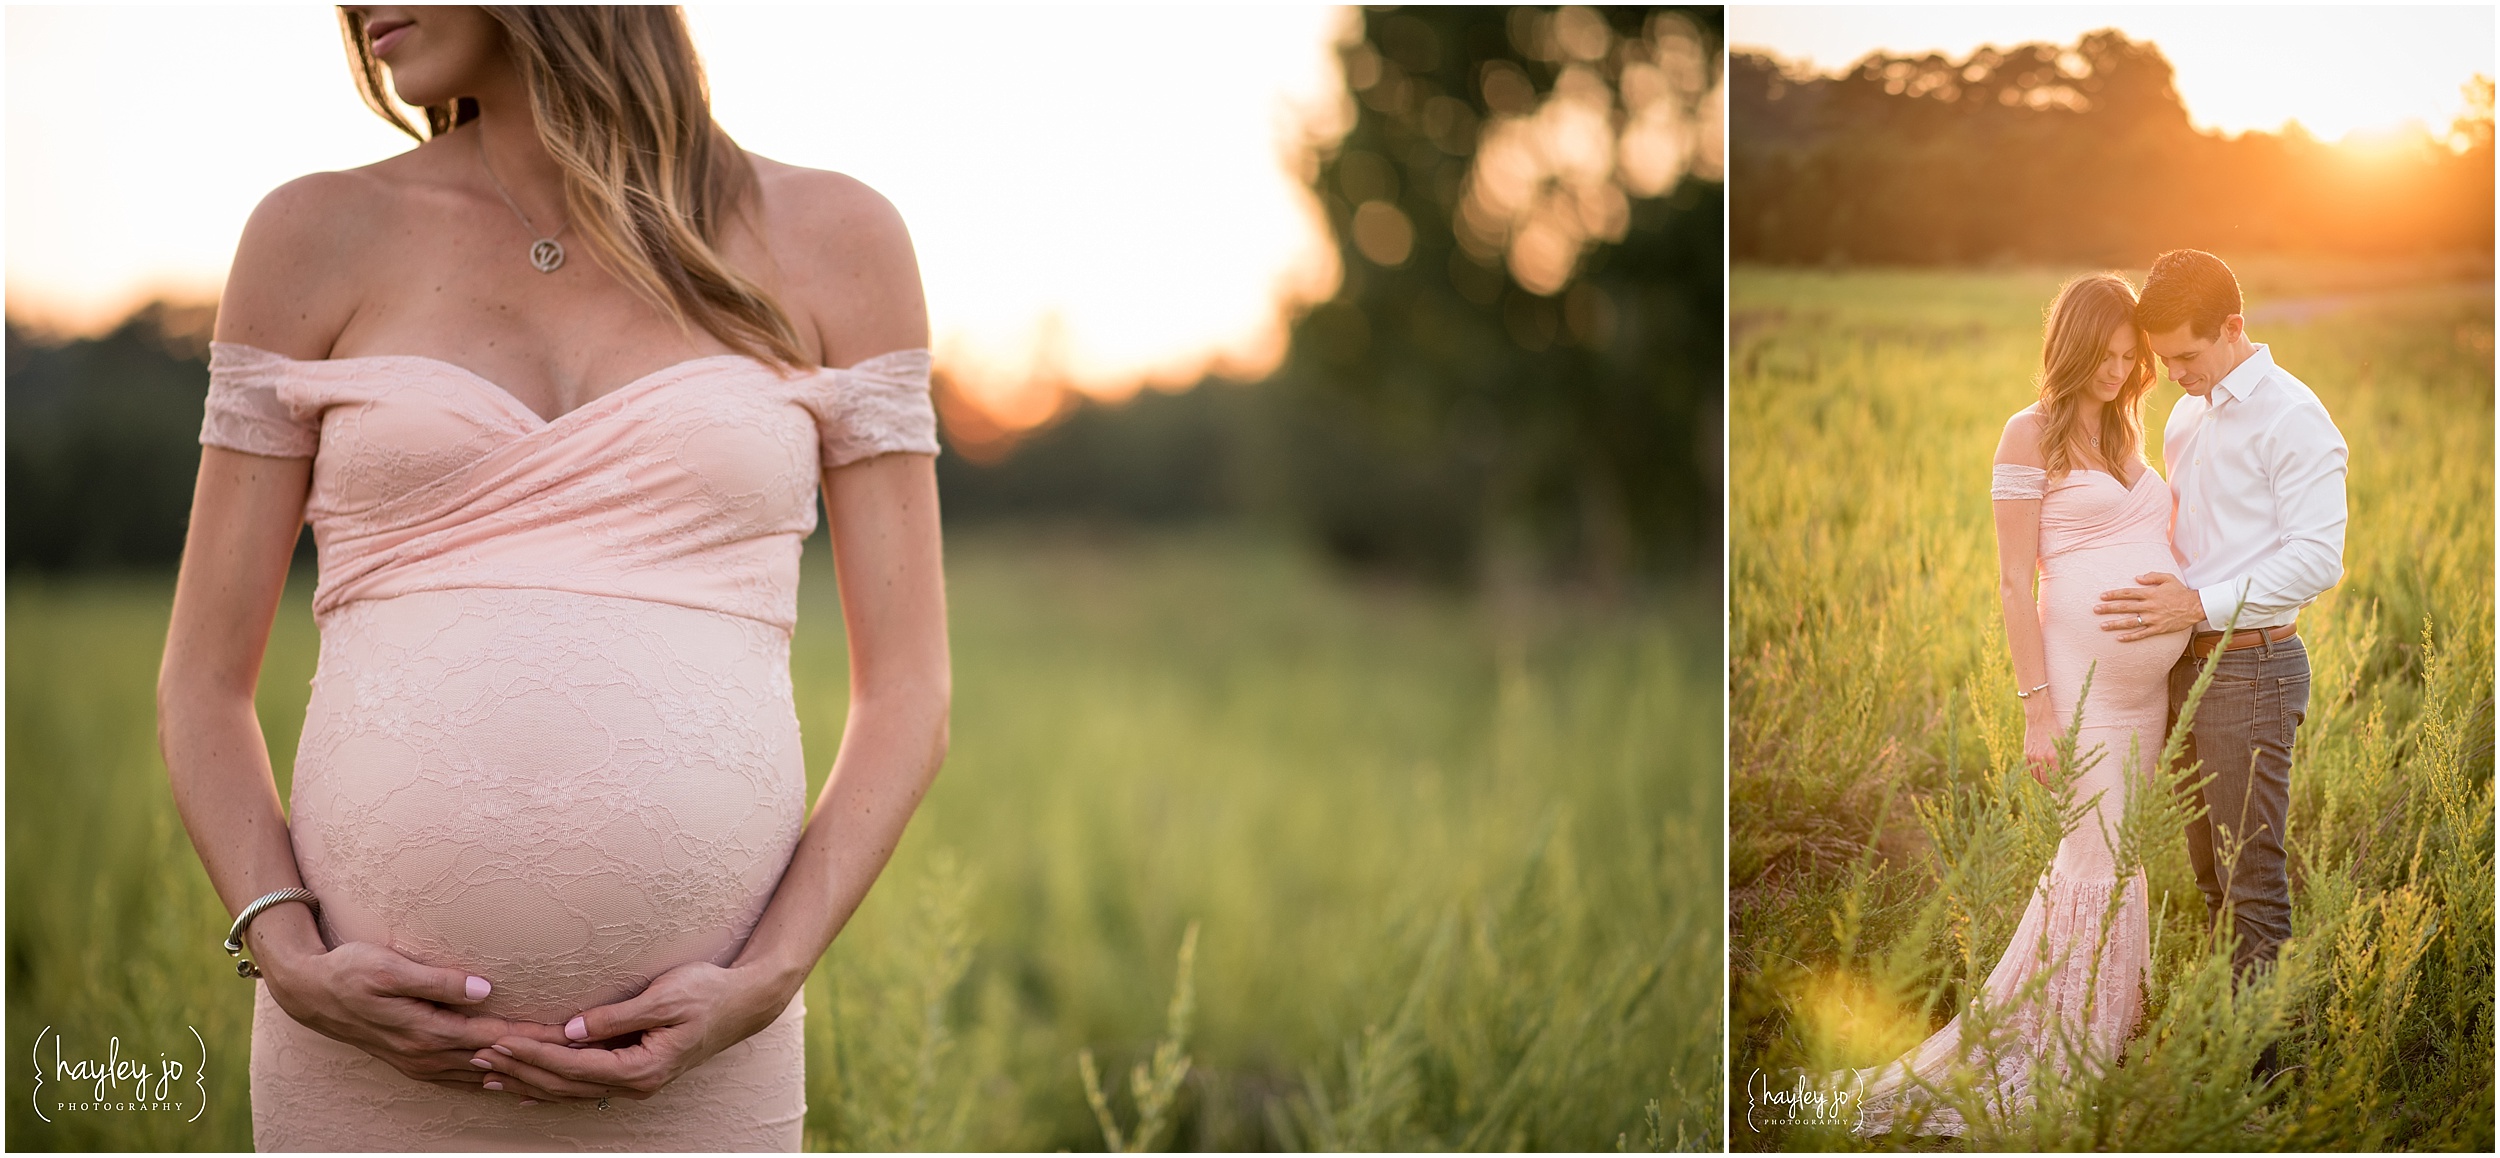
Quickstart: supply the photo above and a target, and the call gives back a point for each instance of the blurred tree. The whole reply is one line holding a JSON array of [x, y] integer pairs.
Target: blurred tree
[[1523, 360], [2063, 153], [103, 441], [1154, 459]]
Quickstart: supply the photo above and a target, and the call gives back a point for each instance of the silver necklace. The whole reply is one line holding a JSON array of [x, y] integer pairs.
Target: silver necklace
[[546, 256]]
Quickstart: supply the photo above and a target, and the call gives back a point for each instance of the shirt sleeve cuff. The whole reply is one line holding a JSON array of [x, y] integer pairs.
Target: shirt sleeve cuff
[[2218, 604]]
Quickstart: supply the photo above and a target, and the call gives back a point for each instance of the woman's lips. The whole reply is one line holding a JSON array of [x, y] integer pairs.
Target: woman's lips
[[390, 35]]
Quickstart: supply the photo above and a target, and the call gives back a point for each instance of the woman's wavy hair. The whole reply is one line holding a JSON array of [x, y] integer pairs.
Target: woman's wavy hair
[[2072, 344], [649, 177]]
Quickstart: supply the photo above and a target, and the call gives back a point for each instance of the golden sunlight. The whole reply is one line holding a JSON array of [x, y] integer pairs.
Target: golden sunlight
[[1550, 181], [1101, 198], [1846, 1019]]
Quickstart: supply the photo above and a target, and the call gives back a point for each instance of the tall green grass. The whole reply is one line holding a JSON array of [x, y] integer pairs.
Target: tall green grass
[[1453, 874], [1883, 841]]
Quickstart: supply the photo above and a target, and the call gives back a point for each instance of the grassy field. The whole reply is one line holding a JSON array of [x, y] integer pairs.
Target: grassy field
[[1882, 844], [1453, 877]]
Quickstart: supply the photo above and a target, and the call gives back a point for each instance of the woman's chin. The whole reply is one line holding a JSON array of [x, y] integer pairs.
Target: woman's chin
[[417, 95]]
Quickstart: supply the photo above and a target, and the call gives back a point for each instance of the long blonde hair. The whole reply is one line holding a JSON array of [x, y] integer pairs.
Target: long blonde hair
[[649, 177], [2073, 342]]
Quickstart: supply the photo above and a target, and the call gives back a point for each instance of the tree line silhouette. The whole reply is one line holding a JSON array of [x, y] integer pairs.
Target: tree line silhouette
[[2079, 152]]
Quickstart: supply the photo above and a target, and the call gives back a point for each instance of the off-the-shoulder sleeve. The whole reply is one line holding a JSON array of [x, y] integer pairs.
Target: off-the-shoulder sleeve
[[2014, 481], [880, 406], [245, 411]]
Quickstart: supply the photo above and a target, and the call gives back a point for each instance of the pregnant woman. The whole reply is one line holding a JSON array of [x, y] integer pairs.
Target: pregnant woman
[[2079, 510], [557, 390]]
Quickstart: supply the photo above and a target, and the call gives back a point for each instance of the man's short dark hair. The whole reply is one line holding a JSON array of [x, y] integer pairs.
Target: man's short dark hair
[[2187, 287]]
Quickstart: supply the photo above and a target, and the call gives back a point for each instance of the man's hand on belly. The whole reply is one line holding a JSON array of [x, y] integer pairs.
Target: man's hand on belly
[[2162, 606]]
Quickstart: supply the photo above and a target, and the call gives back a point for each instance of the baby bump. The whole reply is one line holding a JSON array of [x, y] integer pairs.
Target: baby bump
[[2129, 680], [565, 794]]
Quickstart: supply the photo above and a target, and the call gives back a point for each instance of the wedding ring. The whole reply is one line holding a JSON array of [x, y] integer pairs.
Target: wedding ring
[[2139, 621], [603, 1103]]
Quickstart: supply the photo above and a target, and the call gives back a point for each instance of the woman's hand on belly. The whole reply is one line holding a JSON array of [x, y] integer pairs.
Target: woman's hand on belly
[[683, 1017], [389, 1006]]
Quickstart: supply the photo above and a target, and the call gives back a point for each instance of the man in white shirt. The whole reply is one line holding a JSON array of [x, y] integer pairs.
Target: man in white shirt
[[2257, 478]]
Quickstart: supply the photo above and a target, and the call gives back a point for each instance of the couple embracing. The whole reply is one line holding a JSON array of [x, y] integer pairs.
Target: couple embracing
[[2137, 576]]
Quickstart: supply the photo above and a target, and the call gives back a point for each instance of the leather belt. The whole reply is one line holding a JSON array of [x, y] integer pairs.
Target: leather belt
[[2202, 644]]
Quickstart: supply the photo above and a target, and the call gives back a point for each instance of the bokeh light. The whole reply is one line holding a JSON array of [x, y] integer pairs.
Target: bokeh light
[[1551, 177]]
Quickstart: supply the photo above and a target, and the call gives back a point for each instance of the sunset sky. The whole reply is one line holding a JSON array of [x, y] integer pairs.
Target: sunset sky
[[1099, 193], [2335, 70], [1102, 195]]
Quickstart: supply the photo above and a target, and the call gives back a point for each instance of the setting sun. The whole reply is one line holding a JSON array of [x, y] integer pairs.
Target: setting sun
[[1100, 198]]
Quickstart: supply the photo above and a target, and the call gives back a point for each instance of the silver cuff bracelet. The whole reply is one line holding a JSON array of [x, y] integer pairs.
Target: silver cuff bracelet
[[234, 937]]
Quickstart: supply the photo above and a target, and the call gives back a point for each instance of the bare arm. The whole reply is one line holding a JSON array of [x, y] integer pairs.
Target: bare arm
[[2018, 561], [883, 514], [886, 540], [284, 294], [246, 511], [2018, 569]]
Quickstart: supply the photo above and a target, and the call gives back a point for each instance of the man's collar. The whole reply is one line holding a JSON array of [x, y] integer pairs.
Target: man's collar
[[2245, 376]]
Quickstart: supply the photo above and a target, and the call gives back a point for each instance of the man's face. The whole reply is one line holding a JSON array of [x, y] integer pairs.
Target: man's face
[[2195, 363]]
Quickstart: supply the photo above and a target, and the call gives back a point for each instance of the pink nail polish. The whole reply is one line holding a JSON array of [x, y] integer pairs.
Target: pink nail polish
[[494, 1085], [481, 1063], [577, 1029], [529, 1101], [479, 988], [507, 1053]]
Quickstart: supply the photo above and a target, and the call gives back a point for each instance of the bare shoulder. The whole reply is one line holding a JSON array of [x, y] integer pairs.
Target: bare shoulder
[[818, 204], [2020, 445], [294, 283], [844, 259]]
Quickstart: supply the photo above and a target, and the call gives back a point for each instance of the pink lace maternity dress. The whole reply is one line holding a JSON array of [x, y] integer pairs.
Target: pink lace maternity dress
[[2096, 533], [550, 739]]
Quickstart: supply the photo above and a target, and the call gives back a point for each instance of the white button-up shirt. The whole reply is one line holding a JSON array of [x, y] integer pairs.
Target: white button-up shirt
[[2257, 479]]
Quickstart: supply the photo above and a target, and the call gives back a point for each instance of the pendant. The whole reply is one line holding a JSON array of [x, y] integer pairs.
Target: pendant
[[547, 256]]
